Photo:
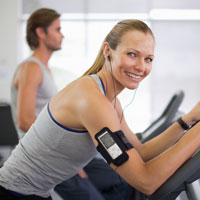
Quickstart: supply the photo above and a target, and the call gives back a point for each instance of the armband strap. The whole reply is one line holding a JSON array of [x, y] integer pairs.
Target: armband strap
[[121, 136], [182, 124], [113, 146]]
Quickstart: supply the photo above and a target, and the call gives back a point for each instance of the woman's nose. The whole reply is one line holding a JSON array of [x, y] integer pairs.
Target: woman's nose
[[140, 65]]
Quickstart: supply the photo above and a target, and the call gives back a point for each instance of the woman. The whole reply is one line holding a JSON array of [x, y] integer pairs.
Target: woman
[[64, 137]]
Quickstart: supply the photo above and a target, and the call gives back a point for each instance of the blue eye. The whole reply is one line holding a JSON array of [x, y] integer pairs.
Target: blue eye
[[131, 54], [148, 60]]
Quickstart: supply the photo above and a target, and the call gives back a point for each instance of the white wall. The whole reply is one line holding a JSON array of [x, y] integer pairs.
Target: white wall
[[8, 44], [177, 62], [90, 6]]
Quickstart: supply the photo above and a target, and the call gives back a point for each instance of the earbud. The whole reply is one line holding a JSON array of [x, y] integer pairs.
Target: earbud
[[108, 56]]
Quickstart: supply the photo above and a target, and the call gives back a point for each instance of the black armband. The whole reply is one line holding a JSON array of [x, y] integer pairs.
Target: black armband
[[182, 124], [113, 146]]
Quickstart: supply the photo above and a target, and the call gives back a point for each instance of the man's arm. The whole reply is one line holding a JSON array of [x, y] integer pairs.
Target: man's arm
[[27, 80]]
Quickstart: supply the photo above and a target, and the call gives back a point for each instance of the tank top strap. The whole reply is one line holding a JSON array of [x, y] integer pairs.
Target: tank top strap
[[33, 59], [99, 83]]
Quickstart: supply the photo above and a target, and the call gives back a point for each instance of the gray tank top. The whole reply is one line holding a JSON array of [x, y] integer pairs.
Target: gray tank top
[[45, 92], [47, 155]]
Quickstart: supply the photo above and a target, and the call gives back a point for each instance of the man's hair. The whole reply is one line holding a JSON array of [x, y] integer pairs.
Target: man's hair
[[40, 18]]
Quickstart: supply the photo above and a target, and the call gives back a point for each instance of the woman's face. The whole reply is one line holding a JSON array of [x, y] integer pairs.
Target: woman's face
[[132, 60]]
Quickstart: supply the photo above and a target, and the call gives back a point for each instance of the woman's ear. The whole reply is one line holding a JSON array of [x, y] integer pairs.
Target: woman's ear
[[106, 51]]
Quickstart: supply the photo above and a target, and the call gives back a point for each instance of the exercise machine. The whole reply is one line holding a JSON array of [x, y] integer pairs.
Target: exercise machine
[[8, 133]]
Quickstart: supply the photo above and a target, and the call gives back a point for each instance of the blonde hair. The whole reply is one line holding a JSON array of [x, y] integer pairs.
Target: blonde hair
[[113, 39]]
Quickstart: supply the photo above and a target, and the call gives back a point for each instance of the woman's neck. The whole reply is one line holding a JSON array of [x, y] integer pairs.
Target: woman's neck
[[111, 85]]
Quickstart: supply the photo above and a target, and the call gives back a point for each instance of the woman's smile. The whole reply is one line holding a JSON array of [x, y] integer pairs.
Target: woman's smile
[[133, 76]]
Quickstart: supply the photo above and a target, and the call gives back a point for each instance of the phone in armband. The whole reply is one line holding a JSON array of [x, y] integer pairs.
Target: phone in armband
[[111, 147]]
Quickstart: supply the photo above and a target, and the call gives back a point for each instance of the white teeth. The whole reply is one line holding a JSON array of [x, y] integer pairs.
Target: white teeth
[[133, 76]]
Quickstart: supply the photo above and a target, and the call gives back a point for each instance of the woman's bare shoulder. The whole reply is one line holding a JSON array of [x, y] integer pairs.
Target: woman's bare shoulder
[[85, 87]]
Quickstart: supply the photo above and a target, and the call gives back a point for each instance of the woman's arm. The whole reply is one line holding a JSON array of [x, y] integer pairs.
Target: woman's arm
[[157, 145], [162, 142], [145, 176]]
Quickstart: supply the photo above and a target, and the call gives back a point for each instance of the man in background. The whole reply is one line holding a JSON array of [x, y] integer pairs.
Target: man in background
[[33, 86]]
